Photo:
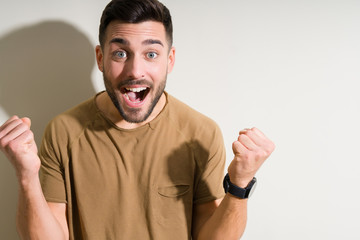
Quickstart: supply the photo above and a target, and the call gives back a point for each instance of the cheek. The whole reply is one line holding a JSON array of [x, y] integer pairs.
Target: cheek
[[113, 69], [159, 69]]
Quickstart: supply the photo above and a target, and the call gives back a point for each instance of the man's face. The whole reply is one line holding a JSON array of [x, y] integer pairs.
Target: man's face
[[135, 61]]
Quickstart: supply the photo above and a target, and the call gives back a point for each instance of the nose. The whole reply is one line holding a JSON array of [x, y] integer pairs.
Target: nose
[[135, 68]]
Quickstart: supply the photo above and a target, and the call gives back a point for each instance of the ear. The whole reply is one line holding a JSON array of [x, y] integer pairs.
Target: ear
[[171, 59], [99, 58]]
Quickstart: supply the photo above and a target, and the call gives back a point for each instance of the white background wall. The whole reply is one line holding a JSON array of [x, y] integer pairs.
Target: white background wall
[[291, 68]]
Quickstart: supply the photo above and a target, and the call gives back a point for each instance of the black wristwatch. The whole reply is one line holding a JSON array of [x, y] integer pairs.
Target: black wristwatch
[[238, 191]]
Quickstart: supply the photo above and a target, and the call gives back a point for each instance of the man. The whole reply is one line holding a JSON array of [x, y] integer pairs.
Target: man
[[133, 162]]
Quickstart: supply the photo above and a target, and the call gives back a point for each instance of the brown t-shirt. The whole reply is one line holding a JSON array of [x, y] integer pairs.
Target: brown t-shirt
[[132, 184]]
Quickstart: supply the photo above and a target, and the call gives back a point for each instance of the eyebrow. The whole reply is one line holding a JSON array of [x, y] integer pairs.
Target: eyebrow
[[152, 41], [145, 42], [120, 40]]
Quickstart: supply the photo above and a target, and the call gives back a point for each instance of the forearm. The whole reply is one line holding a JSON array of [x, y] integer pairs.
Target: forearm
[[34, 217], [227, 222]]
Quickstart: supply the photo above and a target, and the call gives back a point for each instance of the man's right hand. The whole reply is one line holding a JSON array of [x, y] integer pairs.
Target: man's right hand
[[18, 144], [36, 218]]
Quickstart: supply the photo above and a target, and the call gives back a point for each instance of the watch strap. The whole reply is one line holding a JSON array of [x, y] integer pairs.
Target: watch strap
[[239, 192]]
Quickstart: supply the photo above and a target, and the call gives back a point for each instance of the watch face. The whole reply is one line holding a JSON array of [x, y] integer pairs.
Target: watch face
[[252, 188]]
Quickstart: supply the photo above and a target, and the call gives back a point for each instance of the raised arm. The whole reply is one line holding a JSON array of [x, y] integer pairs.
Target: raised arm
[[36, 219], [226, 219]]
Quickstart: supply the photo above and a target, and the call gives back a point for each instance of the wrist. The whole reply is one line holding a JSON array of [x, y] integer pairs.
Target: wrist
[[27, 180], [240, 181], [27, 170]]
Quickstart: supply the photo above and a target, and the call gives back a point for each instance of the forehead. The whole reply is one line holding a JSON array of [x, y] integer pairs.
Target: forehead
[[135, 31]]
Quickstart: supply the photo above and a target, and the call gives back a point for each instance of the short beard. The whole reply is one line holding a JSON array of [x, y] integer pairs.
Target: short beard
[[132, 115]]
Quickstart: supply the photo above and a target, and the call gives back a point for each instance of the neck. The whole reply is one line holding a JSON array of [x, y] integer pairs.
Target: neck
[[107, 107]]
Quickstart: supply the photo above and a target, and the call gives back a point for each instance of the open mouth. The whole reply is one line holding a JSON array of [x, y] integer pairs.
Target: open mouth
[[135, 95]]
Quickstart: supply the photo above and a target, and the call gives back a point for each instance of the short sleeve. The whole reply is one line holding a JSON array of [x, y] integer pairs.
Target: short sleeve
[[52, 171], [210, 155]]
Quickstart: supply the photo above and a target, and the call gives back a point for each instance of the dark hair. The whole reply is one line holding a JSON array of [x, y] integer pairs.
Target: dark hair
[[136, 11]]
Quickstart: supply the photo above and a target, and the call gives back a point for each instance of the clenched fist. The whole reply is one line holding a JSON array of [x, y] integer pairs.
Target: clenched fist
[[18, 144], [251, 149]]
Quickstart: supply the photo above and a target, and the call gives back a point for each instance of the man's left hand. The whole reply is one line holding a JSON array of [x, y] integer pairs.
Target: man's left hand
[[251, 150]]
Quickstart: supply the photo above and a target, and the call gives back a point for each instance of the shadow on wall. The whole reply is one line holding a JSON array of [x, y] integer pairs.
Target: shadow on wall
[[44, 70]]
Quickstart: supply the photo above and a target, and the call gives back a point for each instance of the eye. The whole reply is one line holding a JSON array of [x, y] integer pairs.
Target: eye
[[120, 54], [152, 55]]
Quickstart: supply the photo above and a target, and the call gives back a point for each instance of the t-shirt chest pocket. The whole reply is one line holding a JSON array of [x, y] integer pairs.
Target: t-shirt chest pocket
[[174, 190], [174, 204]]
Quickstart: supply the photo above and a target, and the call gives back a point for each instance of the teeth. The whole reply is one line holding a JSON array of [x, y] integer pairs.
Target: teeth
[[136, 89]]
